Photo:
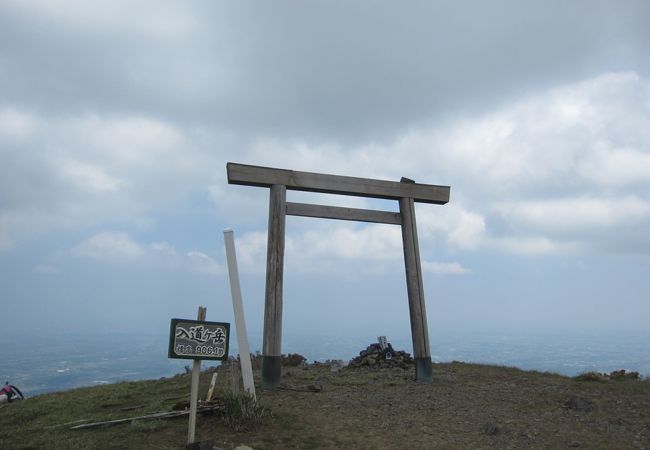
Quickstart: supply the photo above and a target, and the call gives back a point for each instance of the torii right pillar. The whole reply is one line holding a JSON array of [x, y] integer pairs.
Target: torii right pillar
[[415, 289]]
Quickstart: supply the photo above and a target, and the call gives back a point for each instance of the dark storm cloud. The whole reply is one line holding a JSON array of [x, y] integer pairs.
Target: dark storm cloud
[[331, 70]]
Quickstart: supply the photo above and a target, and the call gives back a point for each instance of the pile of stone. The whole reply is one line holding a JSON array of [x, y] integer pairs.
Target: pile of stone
[[381, 355]]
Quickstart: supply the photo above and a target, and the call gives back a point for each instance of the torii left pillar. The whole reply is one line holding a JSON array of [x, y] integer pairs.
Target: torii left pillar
[[272, 346]]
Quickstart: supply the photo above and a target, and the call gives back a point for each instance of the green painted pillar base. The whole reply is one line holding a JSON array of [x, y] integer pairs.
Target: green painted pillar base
[[423, 370], [271, 371]]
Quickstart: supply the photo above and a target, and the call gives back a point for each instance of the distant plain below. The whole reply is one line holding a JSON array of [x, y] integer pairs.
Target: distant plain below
[[68, 361]]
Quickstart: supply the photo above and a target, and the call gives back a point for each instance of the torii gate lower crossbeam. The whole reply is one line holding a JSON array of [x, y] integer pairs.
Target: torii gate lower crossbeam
[[406, 192]]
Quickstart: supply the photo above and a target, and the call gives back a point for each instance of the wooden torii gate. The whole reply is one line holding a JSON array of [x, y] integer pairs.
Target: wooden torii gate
[[406, 192]]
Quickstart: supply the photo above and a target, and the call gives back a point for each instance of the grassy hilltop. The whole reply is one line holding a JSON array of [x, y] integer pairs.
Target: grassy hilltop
[[468, 406]]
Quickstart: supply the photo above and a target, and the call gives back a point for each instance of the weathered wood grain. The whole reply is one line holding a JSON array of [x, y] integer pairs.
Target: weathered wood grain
[[274, 271], [342, 213], [272, 345], [154, 416], [335, 184], [415, 290]]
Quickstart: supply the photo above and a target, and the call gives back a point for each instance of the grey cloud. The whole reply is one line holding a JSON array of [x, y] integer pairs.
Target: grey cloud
[[325, 70]]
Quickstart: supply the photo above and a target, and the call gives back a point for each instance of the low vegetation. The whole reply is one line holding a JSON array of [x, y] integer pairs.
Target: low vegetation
[[617, 375], [242, 412]]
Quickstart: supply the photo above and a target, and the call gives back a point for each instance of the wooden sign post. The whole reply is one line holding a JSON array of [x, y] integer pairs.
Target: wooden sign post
[[405, 192], [194, 390], [197, 340]]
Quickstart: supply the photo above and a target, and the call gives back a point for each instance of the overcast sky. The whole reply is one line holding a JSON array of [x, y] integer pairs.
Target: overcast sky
[[117, 120]]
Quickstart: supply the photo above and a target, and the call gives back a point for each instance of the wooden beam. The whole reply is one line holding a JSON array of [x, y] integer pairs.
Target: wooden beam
[[335, 184], [154, 416], [337, 212], [272, 345], [415, 291]]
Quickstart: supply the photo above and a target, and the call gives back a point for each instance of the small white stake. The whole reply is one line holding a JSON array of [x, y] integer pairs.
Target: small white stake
[[211, 390]]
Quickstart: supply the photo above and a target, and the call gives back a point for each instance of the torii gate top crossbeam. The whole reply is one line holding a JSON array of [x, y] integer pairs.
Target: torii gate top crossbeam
[[335, 184]]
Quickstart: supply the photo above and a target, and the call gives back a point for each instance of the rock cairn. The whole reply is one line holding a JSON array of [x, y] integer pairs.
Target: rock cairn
[[376, 357]]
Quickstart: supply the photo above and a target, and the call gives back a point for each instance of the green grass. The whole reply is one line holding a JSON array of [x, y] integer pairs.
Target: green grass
[[44, 421], [243, 412], [297, 419]]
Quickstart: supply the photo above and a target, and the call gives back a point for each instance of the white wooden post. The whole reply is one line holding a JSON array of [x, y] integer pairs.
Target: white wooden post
[[194, 392], [240, 322]]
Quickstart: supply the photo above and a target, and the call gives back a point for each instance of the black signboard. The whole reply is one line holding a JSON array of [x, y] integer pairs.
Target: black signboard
[[193, 339]]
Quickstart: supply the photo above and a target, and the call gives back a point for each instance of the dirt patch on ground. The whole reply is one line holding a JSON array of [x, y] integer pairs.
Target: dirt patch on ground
[[467, 406]]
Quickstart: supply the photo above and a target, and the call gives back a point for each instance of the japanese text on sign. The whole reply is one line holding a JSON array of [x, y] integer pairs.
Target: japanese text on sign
[[192, 339]]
